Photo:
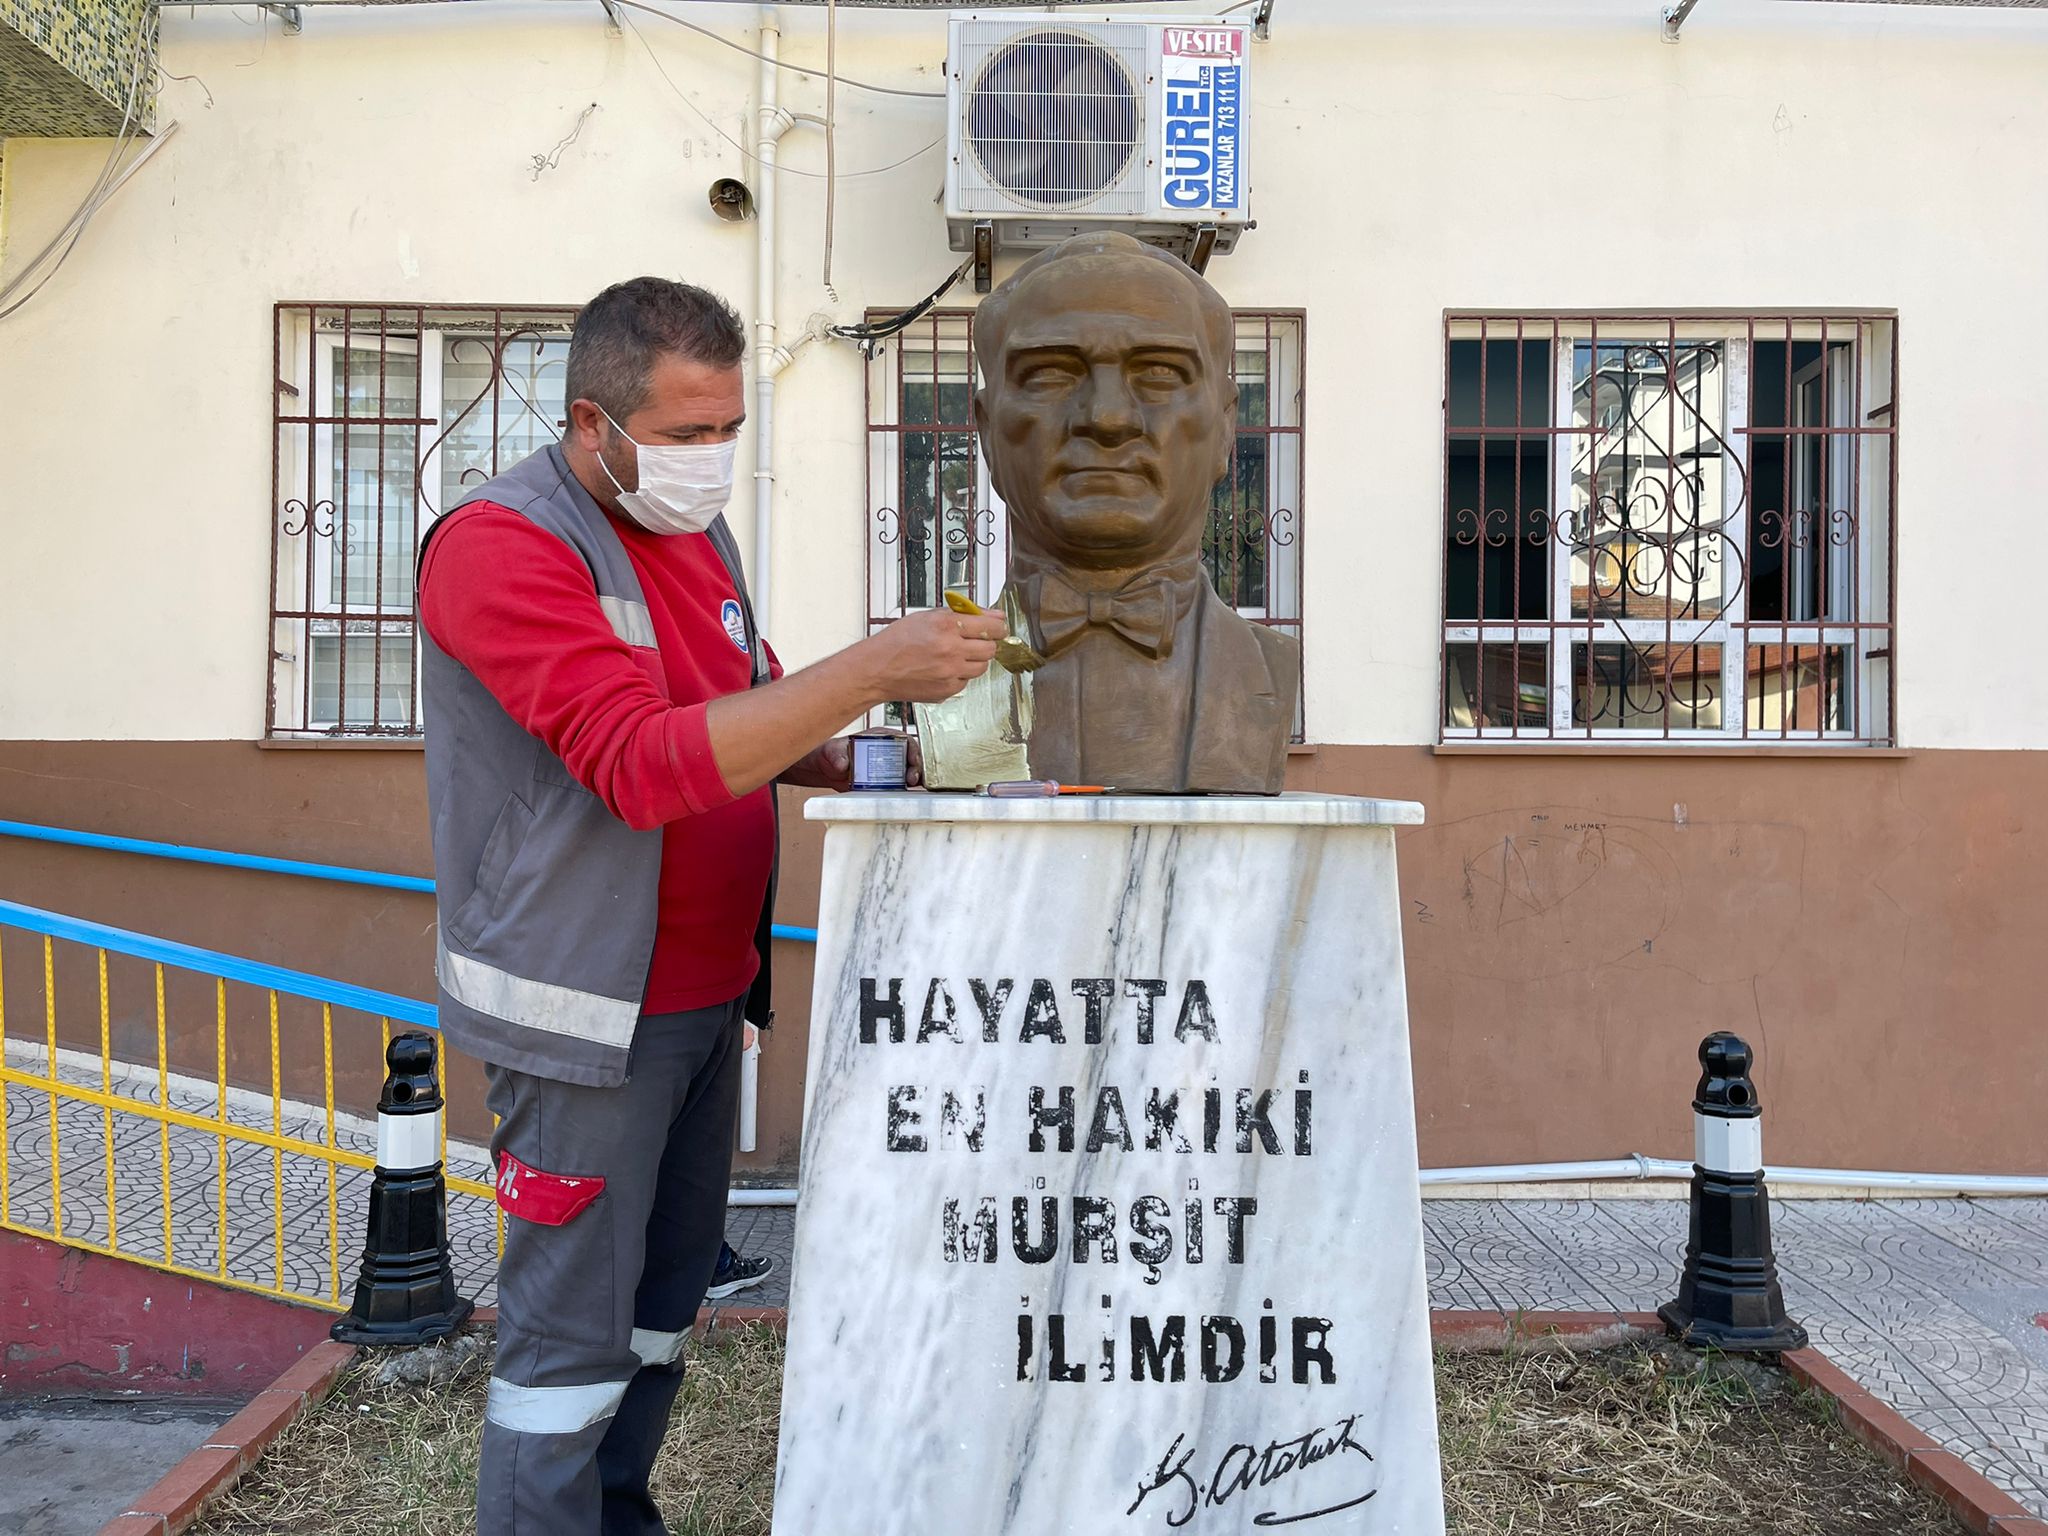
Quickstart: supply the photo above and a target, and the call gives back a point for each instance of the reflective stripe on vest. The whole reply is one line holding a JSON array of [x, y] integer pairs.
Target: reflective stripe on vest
[[551, 1410], [631, 621], [656, 1348], [537, 1004]]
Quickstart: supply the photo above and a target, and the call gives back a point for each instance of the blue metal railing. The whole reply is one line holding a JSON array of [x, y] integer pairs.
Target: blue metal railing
[[221, 857], [271, 978]]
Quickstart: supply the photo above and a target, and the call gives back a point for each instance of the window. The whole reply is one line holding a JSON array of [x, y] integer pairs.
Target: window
[[384, 418], [1672, 529], [935, 521]]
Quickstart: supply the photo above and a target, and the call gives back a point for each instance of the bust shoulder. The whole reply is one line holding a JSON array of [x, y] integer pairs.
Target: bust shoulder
[[1230, 633]]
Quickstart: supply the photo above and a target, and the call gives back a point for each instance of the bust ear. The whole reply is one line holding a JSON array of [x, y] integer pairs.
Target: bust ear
[[1226, 433], [977, 415]]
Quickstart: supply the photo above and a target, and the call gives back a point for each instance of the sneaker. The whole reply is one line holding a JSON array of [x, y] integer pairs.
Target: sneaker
[[740, 1275]]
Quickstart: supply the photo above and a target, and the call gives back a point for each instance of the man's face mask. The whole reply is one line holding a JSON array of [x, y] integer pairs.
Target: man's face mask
[[683, 487]]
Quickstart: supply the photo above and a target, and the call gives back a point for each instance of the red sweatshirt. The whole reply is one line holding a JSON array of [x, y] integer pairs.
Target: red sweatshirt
[[517, 606]]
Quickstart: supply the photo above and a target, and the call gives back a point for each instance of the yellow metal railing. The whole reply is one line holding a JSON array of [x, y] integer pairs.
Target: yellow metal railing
[[165, 986]]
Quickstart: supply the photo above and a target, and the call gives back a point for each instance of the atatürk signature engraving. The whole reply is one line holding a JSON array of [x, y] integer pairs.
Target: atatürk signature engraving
[[1243, 1468]]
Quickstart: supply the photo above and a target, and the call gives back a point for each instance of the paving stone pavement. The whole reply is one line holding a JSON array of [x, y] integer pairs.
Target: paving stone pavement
[[1931, 1304], [74, 1463]]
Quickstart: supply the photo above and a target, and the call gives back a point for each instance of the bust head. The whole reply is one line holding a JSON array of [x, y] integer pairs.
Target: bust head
[[1107, 411]]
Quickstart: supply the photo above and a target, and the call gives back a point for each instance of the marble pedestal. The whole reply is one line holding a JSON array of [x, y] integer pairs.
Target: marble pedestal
[[1108, 1219]]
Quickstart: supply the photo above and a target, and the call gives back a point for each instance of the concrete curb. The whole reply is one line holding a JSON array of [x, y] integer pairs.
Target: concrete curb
[[1982, 1506], [181, 1493], [709, 1319], [1475, 1332], [1986, 1510]]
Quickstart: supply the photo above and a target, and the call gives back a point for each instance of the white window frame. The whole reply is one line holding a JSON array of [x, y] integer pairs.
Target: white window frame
[[890, 526], [1284, 397], [1863, 576], [306, 580]]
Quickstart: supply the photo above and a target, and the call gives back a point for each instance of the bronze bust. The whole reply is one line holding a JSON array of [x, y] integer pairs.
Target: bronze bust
[[1108, 414]]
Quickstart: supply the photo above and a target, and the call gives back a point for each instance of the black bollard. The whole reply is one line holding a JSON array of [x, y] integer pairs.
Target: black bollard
[[1728, 1299], [405, 1293]]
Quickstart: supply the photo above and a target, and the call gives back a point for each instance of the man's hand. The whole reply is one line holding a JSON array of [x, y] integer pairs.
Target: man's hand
[[761, 734], [928, 657], [831, 766], [828, 767]]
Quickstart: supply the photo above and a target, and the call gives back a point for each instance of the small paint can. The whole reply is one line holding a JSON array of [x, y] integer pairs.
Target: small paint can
[[881, 761]]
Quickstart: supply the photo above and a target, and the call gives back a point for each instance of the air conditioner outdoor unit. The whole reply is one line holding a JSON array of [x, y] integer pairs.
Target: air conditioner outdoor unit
[[1058, 125]]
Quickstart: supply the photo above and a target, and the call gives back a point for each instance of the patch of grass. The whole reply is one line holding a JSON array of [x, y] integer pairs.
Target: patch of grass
[[1647, 1440], [400, 1460], [1655, 1440]]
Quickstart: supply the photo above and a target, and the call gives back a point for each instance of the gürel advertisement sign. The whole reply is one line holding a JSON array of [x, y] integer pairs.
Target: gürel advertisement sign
[[1201, 118]]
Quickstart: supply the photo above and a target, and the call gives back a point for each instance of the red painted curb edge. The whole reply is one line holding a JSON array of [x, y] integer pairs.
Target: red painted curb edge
[[177, 1499], [1982, 1506], [1478, 1331], [209, 1471]]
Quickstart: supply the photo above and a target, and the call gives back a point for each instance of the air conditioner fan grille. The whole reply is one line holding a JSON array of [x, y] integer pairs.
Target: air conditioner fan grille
[[1054, 119]]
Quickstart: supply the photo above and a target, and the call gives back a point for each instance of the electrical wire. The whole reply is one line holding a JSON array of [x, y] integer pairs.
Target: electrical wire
[[553, 157], [155, 144], [831, 137], [787, 170], [104, 185], [165, 74], [83, 213], [871, 335], [717, 37]]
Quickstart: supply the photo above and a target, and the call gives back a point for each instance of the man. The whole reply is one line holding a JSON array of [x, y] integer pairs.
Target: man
[[605, 728], [1108, 414]]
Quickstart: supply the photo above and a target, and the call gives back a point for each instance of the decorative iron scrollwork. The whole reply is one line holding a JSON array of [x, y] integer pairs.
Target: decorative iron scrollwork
[[307, 517], [1633, 681], [495, 350]]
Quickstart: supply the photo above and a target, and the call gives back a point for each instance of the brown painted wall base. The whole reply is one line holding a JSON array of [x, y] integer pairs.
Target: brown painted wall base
[[1573, 925], [74, 1321]]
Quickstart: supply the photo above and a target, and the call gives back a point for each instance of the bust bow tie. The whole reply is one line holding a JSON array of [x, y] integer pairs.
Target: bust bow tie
[[1141, 613]]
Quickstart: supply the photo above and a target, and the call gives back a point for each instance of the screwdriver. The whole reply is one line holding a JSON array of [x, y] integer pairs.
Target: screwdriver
[[1029, 789]]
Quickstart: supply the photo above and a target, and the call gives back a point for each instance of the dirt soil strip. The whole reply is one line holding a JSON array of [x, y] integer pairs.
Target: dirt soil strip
[[1480, 1404]]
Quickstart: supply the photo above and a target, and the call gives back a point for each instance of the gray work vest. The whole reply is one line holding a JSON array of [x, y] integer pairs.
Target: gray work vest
[[547, 901]]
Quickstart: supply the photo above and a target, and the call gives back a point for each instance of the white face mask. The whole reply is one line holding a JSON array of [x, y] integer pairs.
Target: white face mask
[[683, 487]]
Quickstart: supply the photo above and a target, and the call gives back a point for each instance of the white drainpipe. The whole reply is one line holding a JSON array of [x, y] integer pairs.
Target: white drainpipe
[[770, 358], [1636, 1166]]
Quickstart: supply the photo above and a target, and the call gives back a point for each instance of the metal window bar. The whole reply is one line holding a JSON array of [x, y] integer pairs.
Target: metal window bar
[[338, 610], [903, 430], [1673, 608]]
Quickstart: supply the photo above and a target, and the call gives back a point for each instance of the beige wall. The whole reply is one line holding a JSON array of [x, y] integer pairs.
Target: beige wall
[[1405, 159]]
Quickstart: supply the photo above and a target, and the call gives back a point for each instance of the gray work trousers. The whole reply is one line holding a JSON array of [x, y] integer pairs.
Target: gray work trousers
[[593, 1307]]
